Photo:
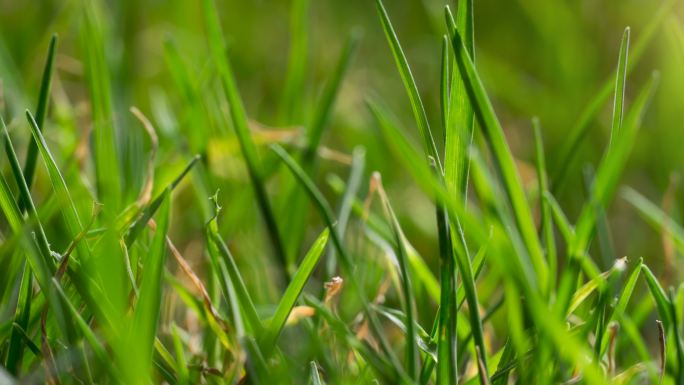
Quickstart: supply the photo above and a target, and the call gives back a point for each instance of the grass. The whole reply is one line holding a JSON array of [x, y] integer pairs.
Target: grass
[[460, 261]]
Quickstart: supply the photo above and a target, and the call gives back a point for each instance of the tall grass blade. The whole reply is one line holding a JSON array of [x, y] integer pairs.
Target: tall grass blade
[[410, 85], [238, 115], [504, 159], [41, 114], [146, 314]]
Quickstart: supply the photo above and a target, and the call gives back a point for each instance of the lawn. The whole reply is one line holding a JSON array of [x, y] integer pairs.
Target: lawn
[[325, 192]]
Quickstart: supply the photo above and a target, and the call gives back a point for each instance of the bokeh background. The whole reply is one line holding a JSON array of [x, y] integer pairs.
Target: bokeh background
[[536, 57]]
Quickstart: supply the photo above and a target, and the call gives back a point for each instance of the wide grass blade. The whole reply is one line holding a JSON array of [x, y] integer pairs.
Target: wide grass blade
[[105, 151], [461, 120], [146, 314], [238, 115], [294, 289]]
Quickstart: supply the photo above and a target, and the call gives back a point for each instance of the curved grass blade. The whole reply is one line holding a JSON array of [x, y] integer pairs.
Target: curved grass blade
[[315, 377], [239, 118], [410, 84], [655, 216], [41, 114], [659, 297], [294, 289]]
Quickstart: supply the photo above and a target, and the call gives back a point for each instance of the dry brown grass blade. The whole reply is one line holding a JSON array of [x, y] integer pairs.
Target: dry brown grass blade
[[663, 348], [197, 282], [146, 192]]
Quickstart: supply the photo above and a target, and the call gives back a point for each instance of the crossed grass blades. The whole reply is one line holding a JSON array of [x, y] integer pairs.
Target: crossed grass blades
[[86, 288]]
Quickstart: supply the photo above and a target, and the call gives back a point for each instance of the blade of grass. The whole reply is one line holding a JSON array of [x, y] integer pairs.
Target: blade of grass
[[293, 89], [412, 354], [459, 128], [225, 263], [619, 96], [659, 297], [147, 310], [502, 154], [149, 210], [295, 204], [410, 85], [611, 168], [655, 216], [238, 115], [294, 289], [41, 114], [107, 177], [570, 147], [546, 220]]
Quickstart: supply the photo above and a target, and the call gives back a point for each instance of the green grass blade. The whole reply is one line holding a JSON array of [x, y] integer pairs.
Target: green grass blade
[[293, 90], [15, 350], [484, 111], [570, 149], [238, 115], [146, 314], [546, 216], [447, 369], [325, 106], [107, 177], [25, 195], [619, 98], [223, 254], [459, 128], [349, 202], [152, 208], [659, 297], [407, 289], [410, 85], [610, 169], [294, 289], [654, 216], [41, 114]]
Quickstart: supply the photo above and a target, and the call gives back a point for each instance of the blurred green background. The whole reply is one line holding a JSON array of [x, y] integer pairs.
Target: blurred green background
[[537, 58]]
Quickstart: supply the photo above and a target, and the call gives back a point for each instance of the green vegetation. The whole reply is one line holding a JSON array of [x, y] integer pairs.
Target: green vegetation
[[188, 202]]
